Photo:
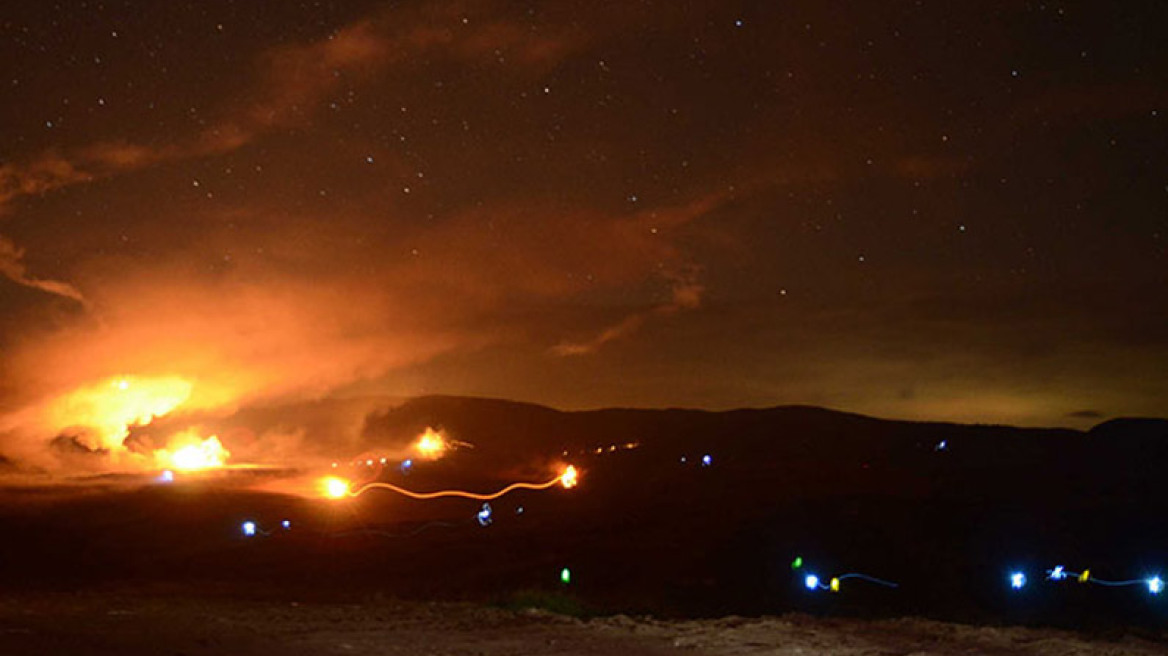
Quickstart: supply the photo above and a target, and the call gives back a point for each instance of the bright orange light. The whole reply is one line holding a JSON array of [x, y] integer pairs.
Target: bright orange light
[[334, 487], [431, 445], [569, 478], [189, 453], [108, 409]]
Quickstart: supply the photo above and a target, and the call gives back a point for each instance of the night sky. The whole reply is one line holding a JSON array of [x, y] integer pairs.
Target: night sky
[[931, 210]]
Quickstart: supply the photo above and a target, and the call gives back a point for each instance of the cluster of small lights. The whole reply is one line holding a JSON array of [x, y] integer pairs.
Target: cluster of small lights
[[1058, 573], [250, 529], [812, 581], [1017, 580], [611, 448]]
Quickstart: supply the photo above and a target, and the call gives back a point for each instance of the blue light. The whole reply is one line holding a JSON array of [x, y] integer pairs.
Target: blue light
[[1155, 585], [707, 460], [941, 446], [287, 524], [406, 465], [1017, 580], [249, 528], [484, 515], [1058, 574], [166, 476], [812, 582]]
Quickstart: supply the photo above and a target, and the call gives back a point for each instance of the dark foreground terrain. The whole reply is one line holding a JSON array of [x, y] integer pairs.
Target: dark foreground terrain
[[132, 624], [679, 514]]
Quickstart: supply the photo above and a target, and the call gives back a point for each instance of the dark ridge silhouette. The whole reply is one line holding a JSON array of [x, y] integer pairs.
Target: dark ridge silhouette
[[945, 510], [1132, 428]]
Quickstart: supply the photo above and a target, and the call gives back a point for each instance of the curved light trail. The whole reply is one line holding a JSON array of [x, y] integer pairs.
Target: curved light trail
[[334, 489]]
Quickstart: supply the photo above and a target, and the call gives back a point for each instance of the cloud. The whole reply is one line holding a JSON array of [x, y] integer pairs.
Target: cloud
[[685, 294], [685, 286], [292, 82], [12, 267], [42, 174]]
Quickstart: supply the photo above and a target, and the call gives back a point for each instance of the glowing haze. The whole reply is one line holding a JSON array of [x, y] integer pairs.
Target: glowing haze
[[907, 210]]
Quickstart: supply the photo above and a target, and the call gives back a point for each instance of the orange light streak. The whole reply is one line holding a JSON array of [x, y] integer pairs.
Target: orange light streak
[[568, 479]]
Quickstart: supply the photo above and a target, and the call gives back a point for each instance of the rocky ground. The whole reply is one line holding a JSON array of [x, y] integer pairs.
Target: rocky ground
[[138, 623]]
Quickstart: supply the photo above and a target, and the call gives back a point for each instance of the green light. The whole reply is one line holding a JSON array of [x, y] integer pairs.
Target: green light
[[797, 563], [565, 576]]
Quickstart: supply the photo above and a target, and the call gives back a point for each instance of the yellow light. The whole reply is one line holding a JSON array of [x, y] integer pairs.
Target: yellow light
[[334, 487], [189, 453], [569, 478], [430, 445], [209, 453]]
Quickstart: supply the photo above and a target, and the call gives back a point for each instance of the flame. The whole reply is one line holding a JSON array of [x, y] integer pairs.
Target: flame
[[431, 445], [334, 487], [189, 453], [110, 408], [569, 478]]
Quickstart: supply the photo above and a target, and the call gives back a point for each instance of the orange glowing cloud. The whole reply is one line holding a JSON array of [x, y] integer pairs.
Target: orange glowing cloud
[[293, 306], [103, 413]]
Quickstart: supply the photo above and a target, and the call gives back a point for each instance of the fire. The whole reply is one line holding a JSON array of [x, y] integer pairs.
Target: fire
[[107, 410], [334, 487], [431, 445], [569, 478], [193, 454]]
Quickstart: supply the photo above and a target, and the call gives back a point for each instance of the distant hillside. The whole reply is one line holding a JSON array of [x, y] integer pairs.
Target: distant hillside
[[806, 431], [810, 447]]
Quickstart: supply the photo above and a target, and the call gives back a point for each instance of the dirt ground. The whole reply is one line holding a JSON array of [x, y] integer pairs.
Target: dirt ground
[[131, 624]]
